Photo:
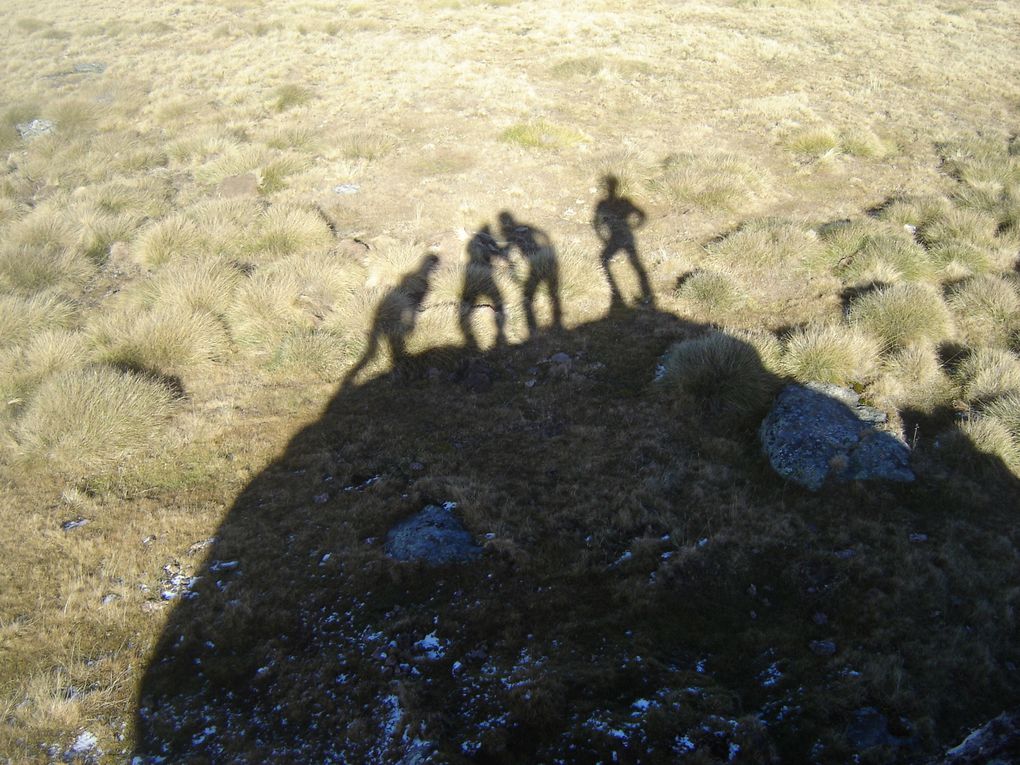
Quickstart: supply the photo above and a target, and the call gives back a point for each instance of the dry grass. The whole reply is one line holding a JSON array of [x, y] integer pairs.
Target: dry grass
[[831, 353], [88, 420], [407, 127], [903, 314]]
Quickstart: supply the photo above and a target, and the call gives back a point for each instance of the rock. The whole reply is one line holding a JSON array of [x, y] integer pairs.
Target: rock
[[244, 185], [918, 537], [823, 647], [560, 358], [818, 433], [352, 248], [995, 743], [35, 128], [434, 536], [346, 188], [89, 67], [77, 523], [85, 748]]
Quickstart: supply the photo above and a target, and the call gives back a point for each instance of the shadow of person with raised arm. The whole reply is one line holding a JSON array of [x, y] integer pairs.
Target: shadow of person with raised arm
[[395, 317], [480, 288], [538, 251], [615, 219]]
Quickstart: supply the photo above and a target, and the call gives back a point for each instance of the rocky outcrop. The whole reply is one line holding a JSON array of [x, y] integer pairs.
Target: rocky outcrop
[[816, 434], [433, 536]]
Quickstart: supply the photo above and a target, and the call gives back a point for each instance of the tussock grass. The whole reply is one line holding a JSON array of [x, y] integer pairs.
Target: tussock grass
[[987, 310], [87, 420], [863, 252], [709, 182], [290, 95], [815, 142], [542, 134], [287, 229], [320, 354], [204, 286], [988, 373], [918, 211], [989, 438], [820, 141], [709, 293], [364, 145], [902, 314], [957, 225], [166, 340], [23, 317], [865, 143], [266, 309], [913, 378], [43, 251], [23, 369], [960, 260], [269, 166], [171, 238], [1006, 410], [721, 371], [832, 353], [767, 243]]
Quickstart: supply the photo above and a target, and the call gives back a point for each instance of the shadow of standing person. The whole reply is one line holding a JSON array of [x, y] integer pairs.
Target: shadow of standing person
[[537, 249], [480, 288], [615, 219], [395, 317]]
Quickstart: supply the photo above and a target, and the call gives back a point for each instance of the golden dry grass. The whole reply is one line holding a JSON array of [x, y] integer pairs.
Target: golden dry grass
[[742, 130]]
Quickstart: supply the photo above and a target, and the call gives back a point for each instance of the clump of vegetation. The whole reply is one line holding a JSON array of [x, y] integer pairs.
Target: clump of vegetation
[[722, 371], [87, 419], [710, 293], [174, 237], [913, 378], [542, 134], [285, 229], [290, 95], [915, 211], [978, 442], [767, 243], [987, 310], [864, 252], [824, 140], [1006, 410], [708, 182], [831, 353], [815, 142], [368, 146], [23, 317], [987, 373], [902, 314]]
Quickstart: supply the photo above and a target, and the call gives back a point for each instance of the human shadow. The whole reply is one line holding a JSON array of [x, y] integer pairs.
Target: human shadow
[[537, 250], [615, 220], [395, 318], [608, 535], [480, 288]]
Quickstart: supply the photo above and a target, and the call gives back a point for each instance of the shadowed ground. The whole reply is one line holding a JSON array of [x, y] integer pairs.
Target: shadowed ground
[[648, 584]]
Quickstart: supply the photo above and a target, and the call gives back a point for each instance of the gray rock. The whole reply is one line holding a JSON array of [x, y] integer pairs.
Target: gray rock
[[816, 434], [869, 728], [434, 536], [995, 743], [35, 128], [89, 67], [560, 358], [823, 647]]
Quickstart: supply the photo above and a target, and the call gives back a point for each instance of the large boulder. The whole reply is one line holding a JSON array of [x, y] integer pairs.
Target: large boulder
[[819, 433], [994, 743], [434, 536]]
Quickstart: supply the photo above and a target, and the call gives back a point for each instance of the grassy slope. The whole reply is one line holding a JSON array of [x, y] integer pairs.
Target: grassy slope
[[445, 113]]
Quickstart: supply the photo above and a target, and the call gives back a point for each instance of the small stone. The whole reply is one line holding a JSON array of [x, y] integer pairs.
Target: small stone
[[346, 188], [35, 128], [417, 466], [351, 248], [820, 618], [109, 598], [321, 499], [846, 554], [77, 523], [560, 358], [918, 537], [85, 746], [868, 729], [822, 647], [244, 185]]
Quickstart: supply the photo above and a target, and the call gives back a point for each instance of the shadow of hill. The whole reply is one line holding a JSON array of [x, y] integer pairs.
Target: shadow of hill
[[643, 568]]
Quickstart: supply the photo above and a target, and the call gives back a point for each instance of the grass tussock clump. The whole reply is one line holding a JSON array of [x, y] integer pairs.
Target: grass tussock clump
[[821, 141], [863, 252], [23, 369], [88, 419], [286, 229], [767, 243], [23, 317], [902, 314], [987, 310], [710, 293], [1006, 410], [321, 354], [207, 286], [916, 211], [710, 182], [542, 134], [173, 237], [831, 353], [987, 374], [290, 95], [163, 341], [980, 442], [367, 146], [721, 371], [913, 378]]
